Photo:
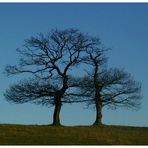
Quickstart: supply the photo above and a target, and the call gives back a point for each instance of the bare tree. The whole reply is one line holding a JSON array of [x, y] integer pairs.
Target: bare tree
[[49, 58], [107, 87]]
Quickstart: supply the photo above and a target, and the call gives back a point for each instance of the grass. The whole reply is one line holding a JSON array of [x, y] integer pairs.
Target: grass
[[78, 135]]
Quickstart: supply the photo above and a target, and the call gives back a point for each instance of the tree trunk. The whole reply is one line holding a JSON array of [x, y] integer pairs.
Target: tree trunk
[[56, 115], [98, 120]]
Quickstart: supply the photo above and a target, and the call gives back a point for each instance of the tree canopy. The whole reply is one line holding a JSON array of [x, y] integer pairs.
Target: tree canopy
[[50, 59]]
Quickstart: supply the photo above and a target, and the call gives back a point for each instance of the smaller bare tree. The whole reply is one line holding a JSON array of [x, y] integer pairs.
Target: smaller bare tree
[[107, 87]]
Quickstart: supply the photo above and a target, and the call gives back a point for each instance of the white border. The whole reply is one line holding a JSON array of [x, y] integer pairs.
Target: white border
[[74, 1], [50, 146]]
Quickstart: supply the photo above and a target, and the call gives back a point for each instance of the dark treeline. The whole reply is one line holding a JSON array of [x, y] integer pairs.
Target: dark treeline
[[51, 58]]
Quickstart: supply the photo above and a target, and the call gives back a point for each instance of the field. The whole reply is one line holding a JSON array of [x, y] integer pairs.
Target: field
[[78, 135]]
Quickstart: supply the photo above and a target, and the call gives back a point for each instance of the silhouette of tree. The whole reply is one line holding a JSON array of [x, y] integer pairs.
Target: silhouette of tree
[[49, 58], [108, 87]]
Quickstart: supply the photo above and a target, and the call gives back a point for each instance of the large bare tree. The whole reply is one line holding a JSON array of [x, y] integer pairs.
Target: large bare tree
[[49, 59]]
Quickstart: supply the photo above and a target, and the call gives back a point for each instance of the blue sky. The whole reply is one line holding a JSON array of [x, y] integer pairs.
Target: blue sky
[[122, 27]]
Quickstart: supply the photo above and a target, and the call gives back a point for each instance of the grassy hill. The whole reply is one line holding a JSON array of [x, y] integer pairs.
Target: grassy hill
[[82, 135]]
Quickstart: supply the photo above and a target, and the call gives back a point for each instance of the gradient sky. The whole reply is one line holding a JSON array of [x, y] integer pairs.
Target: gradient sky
[[122, 27]]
